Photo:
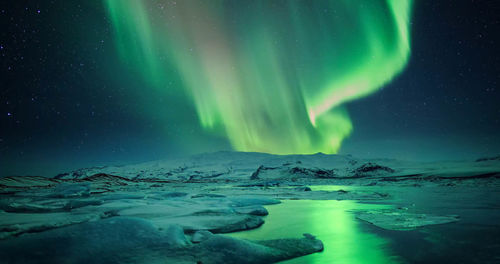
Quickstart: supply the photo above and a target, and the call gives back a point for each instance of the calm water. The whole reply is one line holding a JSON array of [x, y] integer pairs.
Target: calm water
[[344, 239], [473, 239]]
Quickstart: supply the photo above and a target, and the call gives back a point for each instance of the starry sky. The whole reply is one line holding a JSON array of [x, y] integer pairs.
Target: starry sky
[[70, 98]]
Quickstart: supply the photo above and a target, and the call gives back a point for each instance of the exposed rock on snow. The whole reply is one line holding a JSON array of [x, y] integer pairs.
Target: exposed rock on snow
[[372, 169], [241, 166], [172, 211], [312, 172], [255, 174], [303, 189]]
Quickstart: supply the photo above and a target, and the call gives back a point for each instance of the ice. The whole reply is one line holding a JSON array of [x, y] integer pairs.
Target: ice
[[135, 240], [141, 212], [401, 220]]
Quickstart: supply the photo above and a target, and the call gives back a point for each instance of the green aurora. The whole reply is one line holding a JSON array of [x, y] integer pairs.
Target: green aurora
[[271, 76]]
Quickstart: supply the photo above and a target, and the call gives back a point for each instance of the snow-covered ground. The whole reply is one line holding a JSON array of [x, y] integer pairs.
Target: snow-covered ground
[[175, 210], [240, 166]]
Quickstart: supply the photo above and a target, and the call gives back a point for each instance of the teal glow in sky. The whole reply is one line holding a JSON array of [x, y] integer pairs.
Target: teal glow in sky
[[270, 76]]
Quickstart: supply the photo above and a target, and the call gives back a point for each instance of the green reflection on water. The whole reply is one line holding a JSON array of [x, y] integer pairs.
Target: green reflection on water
[[330, 221]]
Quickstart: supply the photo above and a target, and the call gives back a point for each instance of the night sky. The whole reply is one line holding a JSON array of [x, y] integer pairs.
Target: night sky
[[70, 98]]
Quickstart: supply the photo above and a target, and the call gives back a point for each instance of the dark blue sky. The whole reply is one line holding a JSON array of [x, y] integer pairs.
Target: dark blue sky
[[64, 101], [446, 104]]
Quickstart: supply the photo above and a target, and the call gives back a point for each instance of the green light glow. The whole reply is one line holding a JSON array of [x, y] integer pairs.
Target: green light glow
[[331, 222], [271, 76]]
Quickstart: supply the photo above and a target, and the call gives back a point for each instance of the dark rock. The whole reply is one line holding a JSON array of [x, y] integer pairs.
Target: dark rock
[[303, 189], [255, 174], [371, 169], [108, 178], [61, 175], [315, 173]]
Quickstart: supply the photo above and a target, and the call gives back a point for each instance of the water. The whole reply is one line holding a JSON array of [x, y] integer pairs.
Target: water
[[473, 239], [334, 223]]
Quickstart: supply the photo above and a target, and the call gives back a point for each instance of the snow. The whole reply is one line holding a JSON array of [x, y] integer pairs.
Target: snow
[[149, 209]]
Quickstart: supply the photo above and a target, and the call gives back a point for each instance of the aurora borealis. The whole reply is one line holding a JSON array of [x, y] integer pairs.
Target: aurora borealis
[[249, 131], [117, 82], [271, 76]]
